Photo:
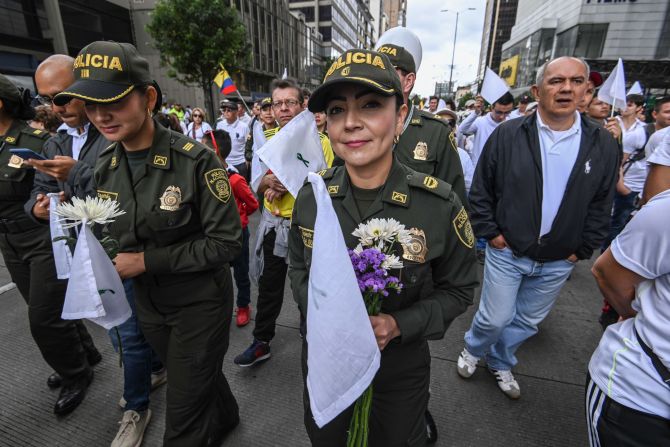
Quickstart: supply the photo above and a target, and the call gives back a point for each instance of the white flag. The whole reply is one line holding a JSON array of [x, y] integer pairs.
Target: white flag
[[294, 152], [493, 86], [258, 168], [285, 74], [636, 89], [342, 352], [95, 290], [613, 90], [62, 253]]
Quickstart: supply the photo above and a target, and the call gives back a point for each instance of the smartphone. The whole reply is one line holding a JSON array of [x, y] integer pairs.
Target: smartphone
[[27, 154]]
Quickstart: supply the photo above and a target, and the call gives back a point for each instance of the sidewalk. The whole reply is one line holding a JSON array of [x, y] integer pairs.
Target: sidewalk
[[551, 373]]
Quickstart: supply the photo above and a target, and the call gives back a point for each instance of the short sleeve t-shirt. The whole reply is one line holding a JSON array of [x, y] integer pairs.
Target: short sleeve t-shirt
[[633, 140], [619, 366], [660, 155]]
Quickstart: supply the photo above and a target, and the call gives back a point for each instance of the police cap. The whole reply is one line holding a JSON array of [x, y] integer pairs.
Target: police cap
[[364, 67], [399, 56], [9, 91], [266, 102], [106, 72], [227, 104]]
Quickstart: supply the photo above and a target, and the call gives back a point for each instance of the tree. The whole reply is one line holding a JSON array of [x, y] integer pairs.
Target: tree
[[194, 37], [465, 98]]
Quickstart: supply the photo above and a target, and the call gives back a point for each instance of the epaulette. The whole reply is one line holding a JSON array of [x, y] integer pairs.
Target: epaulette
[[327, 173], [271, 132], [36, 133], [432, 117], [430, 183], [187, 146]]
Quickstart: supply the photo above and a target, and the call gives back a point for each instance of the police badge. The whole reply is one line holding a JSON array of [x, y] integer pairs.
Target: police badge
[[421, 151], [15, 161], [415, 250], [171, 198]]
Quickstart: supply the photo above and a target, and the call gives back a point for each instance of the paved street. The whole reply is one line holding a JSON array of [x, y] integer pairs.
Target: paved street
[[551, 374]]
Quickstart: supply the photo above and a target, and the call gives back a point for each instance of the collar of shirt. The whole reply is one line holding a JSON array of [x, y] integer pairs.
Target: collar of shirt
[[558, 135], [74, 131]]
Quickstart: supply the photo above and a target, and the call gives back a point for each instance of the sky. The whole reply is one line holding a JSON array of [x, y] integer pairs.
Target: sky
[[436, 32]]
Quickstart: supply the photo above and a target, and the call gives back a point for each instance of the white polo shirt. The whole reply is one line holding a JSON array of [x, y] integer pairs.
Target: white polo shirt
[[619, 366], [658, 140], [633, 139], [78, 140], [238, 136], [559, 150]]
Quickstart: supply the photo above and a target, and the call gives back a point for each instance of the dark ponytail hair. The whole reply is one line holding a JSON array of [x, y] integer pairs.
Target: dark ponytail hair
[[20, 108]]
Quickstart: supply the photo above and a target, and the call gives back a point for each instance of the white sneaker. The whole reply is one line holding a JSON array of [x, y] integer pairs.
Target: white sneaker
[[467, 364], [506, 383], [132, 428]]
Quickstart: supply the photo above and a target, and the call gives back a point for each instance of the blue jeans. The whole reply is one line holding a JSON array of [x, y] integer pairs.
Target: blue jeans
[[517, 294], [622, 207], [240, 267], [139, 360]]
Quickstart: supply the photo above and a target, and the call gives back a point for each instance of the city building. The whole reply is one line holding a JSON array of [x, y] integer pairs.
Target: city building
[[637, 31], [343, 24], [31, 30], [499, 19], [396, 12], [379, 19]]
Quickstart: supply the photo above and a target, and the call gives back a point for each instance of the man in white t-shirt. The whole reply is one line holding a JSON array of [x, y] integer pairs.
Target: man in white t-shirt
[[238, 136], [627, 395], [658, 179], [634, 170]]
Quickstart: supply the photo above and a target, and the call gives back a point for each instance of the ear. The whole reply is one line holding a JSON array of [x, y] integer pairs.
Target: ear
[[400, 119], [535, 91], [152, 97], [410, 79]]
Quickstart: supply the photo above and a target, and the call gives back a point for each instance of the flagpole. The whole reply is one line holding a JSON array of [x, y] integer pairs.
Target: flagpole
[[237, 91]]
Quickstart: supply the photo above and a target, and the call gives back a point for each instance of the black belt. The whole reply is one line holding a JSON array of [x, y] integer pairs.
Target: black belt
[[13, 226], [658, 365]]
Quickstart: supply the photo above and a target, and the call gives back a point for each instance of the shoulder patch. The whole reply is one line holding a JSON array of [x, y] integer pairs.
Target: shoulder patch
[[36, 133], [218, 184], [435, 119], [463, 228], [327, 173], [108, 149], [430, 183]]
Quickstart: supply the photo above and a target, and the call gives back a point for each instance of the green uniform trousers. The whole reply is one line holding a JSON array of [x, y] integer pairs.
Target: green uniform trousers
[[186, 319], [399, 401], [29, 258]]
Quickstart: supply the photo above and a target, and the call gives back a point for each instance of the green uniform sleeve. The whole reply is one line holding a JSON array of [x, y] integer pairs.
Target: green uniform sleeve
[[298, 271], [454, 275], [221, 239]]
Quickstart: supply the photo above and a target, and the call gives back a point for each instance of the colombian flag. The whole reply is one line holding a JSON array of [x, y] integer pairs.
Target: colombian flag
[[224, 82]]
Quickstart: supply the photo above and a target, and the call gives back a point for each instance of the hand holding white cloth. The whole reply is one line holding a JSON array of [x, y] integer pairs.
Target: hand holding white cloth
[[95, 290], [342, 353]]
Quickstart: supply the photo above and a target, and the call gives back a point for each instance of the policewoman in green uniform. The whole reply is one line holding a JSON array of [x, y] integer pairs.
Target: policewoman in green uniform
[[180, 231], [28, 254], [362, 98]]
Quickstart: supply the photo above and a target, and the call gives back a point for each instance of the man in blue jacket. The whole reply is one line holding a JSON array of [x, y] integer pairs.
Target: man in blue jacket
[[541, 196]]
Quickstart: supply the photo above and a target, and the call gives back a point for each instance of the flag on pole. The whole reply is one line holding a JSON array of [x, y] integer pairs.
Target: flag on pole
[[636, 89], [95, 290], [285, 75], [342, 353], [224, 82], [294, 152], [613, 90], [493, 86]]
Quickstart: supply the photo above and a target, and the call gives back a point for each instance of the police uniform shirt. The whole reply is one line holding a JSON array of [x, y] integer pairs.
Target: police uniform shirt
[[428, 145], [16, 182], [238, 136], [180, 211], [439, 273]]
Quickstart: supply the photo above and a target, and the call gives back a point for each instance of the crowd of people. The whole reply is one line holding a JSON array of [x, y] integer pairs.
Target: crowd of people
[[528, 187]]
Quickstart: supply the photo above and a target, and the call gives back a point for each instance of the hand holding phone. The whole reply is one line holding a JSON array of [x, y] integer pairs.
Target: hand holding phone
[[27, 154]]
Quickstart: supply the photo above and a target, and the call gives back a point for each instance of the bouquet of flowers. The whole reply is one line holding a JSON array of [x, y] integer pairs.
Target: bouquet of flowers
[[373, 259]]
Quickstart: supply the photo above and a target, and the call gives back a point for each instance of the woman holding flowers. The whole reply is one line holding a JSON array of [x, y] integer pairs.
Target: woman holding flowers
[[378, 202], [178, 234]]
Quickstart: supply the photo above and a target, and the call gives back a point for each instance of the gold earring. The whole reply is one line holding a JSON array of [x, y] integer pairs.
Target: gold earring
[[396, 139], [149, 112]]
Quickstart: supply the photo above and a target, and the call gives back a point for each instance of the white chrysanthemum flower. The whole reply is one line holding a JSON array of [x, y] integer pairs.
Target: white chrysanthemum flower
[[363, 234], [359, 249], [391, 262], [92, 209], [377, 232]]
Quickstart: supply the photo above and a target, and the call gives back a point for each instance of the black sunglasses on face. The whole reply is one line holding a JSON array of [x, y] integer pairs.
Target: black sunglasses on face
[[47, 100]]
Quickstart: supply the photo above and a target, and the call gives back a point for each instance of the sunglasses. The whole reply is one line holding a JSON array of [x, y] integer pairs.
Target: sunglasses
[[197, 115], [47, 100], [227, 109]]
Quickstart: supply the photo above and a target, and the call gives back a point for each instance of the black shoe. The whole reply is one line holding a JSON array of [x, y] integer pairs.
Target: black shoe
[[54, 381], [72, 395], [93, 356], [431, 429]]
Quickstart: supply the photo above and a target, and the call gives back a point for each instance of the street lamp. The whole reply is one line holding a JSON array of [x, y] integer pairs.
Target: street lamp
[[453, 53]]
